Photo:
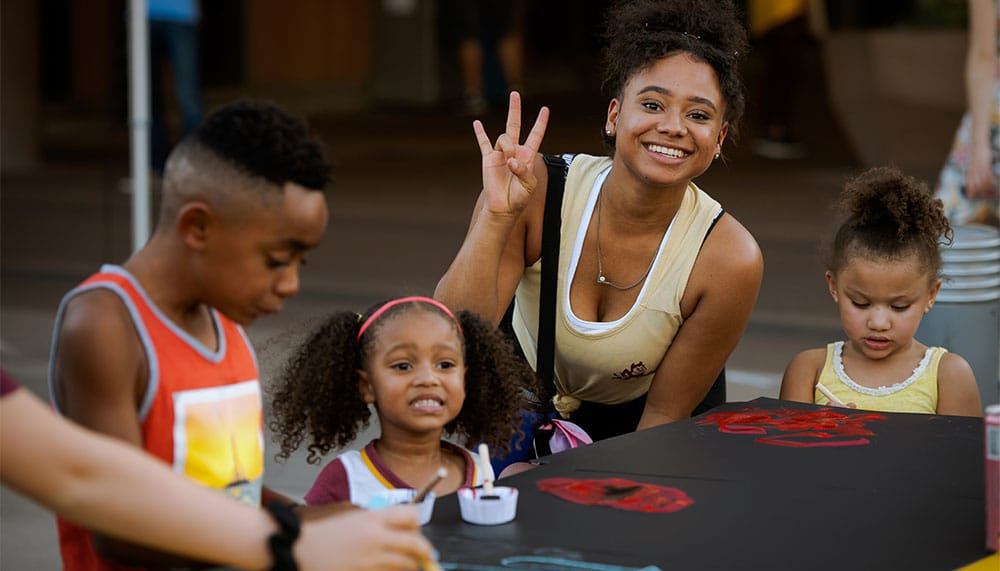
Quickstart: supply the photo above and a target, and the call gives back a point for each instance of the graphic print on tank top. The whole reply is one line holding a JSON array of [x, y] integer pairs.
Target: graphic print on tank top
[[217, 438]]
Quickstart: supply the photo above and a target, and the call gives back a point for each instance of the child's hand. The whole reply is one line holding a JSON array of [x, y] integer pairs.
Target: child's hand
[[508, 166], [832, 398]]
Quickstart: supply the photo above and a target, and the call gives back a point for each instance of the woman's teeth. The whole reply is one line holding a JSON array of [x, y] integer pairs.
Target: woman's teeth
[[674, 153]]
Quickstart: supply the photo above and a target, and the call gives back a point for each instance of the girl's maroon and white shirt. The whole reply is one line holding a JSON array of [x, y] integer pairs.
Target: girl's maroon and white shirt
[[359, 475]]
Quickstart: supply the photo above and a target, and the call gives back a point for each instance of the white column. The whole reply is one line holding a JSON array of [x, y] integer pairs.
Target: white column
[[139, 121]]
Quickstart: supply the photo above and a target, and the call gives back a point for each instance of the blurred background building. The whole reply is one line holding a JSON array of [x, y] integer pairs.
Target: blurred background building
[[65, 61]]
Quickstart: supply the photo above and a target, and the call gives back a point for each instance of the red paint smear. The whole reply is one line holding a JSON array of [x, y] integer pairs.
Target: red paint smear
[[797, 428], [617, 493]]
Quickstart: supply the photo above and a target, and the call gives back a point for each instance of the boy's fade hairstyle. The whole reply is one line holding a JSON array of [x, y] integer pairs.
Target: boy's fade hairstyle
[[640, 32], [889, 215], [262, 140], [316, 399]]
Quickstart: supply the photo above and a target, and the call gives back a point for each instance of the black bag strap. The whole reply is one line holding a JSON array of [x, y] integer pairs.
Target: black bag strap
[[551, 230]]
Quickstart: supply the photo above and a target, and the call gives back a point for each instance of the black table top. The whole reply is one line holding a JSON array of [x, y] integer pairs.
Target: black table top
[[772, 484]]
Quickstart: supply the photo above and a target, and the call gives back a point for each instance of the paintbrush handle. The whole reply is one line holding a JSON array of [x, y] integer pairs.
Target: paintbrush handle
[[422, 494], [485, 465], [487, 468], [826, 392]]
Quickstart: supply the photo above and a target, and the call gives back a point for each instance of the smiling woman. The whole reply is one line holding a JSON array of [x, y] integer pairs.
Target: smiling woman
[[654, 278]]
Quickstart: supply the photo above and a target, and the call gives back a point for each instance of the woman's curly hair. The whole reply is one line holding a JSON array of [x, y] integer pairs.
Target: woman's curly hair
[[316, 397], [889, 215], [641, 32]]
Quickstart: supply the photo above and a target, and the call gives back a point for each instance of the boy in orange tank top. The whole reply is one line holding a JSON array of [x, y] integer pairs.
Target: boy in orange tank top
[[153, 351]]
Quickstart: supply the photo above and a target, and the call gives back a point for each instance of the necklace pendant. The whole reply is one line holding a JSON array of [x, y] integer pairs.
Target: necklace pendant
[[601, 279]]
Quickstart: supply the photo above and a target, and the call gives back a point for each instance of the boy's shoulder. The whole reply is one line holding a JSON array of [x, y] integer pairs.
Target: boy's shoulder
[[97, 354], [99, 305], [97, 312]]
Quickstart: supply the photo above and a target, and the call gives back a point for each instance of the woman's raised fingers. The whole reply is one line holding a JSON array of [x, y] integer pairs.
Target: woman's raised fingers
[[514, 117], [506, 145], [522, 172], [485, 146], [534, 140]]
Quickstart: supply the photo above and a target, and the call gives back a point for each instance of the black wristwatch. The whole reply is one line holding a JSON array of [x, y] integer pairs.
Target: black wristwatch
[[281, 541]]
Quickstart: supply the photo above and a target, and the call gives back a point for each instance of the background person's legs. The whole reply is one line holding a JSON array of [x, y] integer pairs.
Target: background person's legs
[[173, 46], [783, 47]]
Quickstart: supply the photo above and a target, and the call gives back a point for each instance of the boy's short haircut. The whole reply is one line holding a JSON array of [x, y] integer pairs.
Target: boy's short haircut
[[263, 140]]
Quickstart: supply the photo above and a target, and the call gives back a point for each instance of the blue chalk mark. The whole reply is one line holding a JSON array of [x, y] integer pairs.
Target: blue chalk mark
[[537, 563]]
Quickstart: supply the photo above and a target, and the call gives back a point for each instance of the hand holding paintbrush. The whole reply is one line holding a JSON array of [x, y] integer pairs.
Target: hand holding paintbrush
[[832, 397], [430, 564]]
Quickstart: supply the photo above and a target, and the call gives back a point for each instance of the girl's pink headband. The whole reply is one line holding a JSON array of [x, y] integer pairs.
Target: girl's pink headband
[[414, 298]]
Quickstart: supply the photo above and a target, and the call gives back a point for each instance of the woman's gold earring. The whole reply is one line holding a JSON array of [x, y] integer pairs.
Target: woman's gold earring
[[717, 156]]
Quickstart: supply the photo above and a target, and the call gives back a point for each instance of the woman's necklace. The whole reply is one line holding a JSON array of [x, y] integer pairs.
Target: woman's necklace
[[601, 279]]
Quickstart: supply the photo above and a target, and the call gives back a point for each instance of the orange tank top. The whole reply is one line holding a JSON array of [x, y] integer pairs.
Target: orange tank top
[[202, 411]]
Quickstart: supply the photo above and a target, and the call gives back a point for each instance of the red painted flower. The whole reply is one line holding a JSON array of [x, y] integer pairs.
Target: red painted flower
[[797, 428], [617, 493]]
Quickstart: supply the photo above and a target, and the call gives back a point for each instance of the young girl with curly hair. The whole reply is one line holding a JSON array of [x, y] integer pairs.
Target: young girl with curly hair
[[427, 371], [884, 274]]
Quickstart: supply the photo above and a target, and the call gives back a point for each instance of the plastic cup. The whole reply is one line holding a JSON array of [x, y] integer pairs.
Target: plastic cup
[[480, 509]]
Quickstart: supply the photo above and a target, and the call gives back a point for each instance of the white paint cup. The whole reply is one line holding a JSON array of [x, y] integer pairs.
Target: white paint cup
[[486, 510]]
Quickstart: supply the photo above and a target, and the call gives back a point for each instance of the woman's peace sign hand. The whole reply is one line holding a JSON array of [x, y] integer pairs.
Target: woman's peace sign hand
[[508, 166]]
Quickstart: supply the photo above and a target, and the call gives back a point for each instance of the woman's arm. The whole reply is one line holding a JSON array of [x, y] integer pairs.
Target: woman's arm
[[103, 484], [980, 77], [958, 393], [485, 272], [483, 275], [720, 295]]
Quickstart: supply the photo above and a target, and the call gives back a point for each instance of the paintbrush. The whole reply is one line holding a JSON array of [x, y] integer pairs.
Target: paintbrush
[[487, 468], [826, 392], [441, 473]]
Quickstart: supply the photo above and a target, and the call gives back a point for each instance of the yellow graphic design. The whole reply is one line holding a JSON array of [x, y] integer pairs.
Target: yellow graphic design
[[219, 440]]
